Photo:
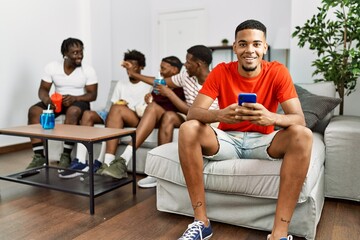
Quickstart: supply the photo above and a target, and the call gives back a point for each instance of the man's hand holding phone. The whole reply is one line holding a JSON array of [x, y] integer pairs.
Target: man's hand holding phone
[[252, 111], [246, 111]]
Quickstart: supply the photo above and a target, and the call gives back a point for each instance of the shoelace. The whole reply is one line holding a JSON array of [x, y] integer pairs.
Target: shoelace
[[192, 230]]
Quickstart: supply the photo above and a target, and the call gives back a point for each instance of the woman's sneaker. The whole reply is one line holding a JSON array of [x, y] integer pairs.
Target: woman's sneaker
[[197, 231], [148, 182]]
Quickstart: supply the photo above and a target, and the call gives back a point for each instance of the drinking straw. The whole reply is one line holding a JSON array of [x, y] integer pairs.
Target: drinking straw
[[47, 116]]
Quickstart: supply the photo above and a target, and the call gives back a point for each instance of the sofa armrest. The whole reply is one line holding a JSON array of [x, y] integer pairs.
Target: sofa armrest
[[342, 158]]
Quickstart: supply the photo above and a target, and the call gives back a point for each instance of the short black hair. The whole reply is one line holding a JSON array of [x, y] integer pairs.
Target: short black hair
[[251, 24], [202, 53], [173, 61], [69, 42], [136, 56]]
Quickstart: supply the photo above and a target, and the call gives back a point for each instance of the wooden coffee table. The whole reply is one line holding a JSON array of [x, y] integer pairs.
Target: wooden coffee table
[[48, 175]]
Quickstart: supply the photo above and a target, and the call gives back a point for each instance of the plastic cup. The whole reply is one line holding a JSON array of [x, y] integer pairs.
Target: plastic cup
[[56, 98]]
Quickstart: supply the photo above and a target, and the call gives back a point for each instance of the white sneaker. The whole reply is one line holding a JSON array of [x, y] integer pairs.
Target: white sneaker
[[147, 182], [283, 238]]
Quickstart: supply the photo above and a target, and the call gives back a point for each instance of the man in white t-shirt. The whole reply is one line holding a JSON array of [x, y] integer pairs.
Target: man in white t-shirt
[[76, 83]]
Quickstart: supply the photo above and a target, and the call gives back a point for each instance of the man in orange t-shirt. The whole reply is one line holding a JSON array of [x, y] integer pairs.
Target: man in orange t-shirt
[[249, 126]]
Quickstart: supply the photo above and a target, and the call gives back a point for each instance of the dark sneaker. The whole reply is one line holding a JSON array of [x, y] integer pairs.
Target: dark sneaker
[[76, 165], [283, 238], [37, 161], [64, 160], [117, 169], [148, 182], [197, 231]]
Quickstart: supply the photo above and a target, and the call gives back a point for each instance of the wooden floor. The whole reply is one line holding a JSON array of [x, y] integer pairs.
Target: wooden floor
[[28, 212]]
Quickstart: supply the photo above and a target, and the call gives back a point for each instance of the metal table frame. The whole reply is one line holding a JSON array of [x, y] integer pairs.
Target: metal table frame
[[48, 174]]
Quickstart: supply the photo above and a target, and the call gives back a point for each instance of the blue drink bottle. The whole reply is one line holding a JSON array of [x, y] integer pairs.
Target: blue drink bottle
[[158, 81]]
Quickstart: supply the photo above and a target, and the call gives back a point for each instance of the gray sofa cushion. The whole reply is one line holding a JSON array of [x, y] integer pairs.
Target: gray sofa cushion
[[248, 177], [315, 107], [318, 102]]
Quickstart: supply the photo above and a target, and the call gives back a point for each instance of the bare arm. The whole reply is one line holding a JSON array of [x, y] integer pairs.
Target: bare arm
[[178, 103], [293, 114], [43, 93], [146, 79], [200, 110], [256, 113], [89, 96]]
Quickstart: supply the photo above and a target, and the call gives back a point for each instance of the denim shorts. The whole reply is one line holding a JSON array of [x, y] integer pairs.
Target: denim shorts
[[103, 114], [243, 145]]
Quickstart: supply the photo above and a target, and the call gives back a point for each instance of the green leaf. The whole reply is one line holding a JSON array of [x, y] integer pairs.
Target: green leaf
[[324, 33]]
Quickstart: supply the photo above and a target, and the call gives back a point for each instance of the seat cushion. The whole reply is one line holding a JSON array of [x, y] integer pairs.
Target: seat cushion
[[249, 177]]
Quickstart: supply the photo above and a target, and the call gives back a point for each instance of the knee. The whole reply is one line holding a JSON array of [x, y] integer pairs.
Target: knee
[[189, 130], [34, 114], [151, 108], [300, 136], [73, 112], [116, 110], [87, 118], [115, 116], [168, 118]]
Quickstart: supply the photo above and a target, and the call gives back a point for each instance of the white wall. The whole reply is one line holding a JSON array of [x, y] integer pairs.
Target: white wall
[[32, 32], [130, 29]]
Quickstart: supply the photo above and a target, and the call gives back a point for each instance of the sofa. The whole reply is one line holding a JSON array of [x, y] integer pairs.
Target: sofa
[[244, 192]]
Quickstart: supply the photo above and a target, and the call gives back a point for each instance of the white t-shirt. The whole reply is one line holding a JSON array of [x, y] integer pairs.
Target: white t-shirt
[[133, 93], [191, 88], [72, 84]]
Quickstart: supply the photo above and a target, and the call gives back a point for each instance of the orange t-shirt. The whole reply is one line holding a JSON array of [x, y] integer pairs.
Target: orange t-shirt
[[272, 86]]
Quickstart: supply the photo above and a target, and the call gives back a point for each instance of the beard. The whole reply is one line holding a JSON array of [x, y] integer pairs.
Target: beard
[[248, 69]]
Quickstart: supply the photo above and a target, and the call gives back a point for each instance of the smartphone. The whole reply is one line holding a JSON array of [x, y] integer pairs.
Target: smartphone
[[246, 98]]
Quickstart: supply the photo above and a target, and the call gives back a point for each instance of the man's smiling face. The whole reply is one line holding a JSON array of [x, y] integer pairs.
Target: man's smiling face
[[250, 46]]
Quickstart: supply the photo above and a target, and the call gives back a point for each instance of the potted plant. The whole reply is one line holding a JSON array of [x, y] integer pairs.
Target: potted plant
[[224, 42], [334, 34]]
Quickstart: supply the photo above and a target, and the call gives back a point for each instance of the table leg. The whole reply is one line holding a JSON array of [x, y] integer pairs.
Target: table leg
[[133, 138], [46, 146], [89, 147]]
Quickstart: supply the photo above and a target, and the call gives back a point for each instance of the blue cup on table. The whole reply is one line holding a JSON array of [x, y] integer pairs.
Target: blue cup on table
[[47, 119]]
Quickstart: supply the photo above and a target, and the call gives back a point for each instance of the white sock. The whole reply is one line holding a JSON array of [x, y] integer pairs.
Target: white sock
[[102, 152], [127, 154], [81, 152], [109, 158]]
